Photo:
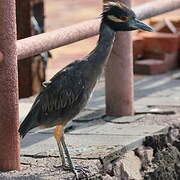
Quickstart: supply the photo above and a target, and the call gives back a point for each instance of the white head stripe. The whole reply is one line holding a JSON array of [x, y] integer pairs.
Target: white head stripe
[[114, 18]]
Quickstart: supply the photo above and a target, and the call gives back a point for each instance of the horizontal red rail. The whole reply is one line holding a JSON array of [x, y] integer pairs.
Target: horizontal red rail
[[60, 37], [36, 44]]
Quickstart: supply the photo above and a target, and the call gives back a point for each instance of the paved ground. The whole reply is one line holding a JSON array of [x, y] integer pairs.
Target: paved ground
[[158, 94], [93, 136]]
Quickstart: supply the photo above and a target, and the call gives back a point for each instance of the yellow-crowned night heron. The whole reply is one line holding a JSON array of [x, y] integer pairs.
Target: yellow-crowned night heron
[[67, 93]]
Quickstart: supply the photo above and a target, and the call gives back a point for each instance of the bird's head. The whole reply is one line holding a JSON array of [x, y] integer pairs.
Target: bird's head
[[121, 18]]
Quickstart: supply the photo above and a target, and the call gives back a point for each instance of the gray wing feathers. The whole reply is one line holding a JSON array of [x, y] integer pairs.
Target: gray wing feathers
[[59, 98], [63, 89], [62, 92]]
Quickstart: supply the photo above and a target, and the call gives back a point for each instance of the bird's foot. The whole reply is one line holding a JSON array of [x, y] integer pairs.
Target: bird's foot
[[64, 167], [80, 172]]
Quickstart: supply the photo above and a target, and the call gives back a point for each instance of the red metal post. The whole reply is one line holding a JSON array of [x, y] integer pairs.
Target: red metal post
[[119, 76], [9, 139]]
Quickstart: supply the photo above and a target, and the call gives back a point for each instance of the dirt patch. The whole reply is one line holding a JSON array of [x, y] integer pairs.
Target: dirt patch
[[165, 165], [166, 162], [46, 168]]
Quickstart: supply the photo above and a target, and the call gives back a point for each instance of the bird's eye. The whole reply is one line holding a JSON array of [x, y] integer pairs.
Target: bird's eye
[[123, 18]]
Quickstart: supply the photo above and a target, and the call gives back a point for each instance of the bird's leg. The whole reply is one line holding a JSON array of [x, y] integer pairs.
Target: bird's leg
[[72, 168], [67, 155], [58, 134]]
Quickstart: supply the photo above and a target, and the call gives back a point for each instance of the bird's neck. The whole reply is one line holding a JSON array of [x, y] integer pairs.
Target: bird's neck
[[98, 57]]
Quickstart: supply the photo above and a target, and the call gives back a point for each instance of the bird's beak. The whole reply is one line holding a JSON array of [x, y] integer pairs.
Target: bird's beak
[[140, 25]]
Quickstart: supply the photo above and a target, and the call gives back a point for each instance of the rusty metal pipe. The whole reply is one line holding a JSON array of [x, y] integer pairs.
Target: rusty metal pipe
[[60, 37], [154, 8], [9, 138], [119, 70], [36, 44]]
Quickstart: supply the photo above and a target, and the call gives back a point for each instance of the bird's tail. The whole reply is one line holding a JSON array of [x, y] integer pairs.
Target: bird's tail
[[29, 123]]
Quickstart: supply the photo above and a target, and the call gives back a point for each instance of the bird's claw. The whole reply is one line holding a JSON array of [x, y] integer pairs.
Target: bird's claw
[[64, 167], [80, 173]]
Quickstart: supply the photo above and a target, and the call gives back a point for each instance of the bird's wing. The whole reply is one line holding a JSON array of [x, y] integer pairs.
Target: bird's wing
[[62, 90], [59, 95]]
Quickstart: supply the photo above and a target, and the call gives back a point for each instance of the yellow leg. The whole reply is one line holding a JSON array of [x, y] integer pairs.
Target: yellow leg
[[58, 134], [68, 156]]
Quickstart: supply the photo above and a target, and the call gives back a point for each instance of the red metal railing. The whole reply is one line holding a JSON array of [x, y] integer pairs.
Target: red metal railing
[[63, 36], [9, 141]]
